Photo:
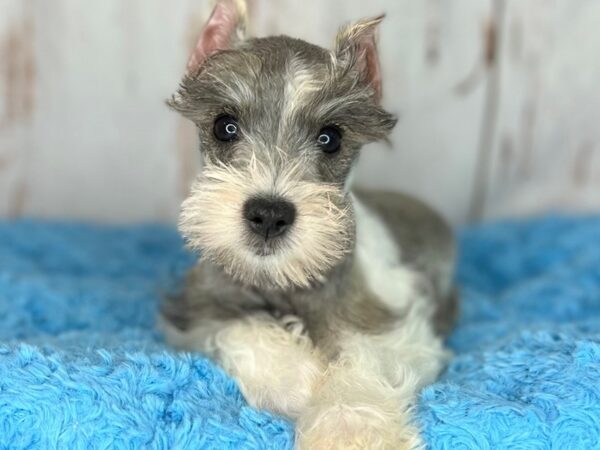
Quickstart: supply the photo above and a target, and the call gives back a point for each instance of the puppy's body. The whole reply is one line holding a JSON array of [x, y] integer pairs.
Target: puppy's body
[[325, 305], [403, 260], [380, 312]]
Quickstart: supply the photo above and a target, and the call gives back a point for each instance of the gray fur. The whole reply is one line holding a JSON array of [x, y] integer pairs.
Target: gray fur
[[249, 83]]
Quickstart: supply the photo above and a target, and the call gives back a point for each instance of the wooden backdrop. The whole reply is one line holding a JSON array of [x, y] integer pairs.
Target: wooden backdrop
[[499, 103]]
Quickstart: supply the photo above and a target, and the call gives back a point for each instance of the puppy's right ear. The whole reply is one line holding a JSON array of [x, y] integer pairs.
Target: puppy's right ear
[[226, 26]]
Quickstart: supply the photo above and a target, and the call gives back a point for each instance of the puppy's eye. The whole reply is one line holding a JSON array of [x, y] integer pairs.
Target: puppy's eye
[[329, 139], [225, 128]]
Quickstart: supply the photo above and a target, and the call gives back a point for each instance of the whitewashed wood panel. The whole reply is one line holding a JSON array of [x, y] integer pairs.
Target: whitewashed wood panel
[[97, 142], [497, 102], [546, 149]]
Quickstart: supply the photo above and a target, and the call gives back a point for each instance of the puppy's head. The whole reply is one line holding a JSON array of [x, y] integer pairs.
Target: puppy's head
[[281, 123]]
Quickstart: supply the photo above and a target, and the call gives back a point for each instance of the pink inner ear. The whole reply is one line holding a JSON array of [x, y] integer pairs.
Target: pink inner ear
[[371, 64], [217, 34]]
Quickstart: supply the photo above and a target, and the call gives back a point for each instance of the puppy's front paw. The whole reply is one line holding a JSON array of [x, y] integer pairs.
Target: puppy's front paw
[[354, 429], [258, 354]]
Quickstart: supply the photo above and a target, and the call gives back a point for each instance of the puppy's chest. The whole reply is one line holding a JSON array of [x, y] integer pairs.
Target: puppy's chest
[[278, 305], [373, 279], [379, 263]]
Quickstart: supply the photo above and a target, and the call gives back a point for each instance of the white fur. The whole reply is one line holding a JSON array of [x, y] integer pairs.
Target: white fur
[[211, 220], [366, 398], [301, 83], [275, 363], [380, 260]]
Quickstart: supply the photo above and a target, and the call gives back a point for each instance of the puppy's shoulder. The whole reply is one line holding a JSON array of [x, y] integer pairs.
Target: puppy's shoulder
[[416, 227]]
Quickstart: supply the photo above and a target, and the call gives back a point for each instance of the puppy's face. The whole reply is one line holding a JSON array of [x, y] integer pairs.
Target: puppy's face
[[280, 122]]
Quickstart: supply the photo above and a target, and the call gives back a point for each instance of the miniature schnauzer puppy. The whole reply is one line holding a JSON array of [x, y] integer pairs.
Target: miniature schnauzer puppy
[[326, 305]]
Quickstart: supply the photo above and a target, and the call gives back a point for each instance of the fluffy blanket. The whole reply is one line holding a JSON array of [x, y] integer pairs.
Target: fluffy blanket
[[81, 365]]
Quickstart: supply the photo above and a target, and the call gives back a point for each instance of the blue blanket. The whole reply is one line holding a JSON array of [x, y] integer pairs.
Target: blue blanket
[[81, 365]]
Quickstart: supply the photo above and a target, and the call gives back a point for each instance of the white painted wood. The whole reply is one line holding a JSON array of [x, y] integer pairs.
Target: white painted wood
[[546, 155], [100, 144], [16, 109], [84, 132]]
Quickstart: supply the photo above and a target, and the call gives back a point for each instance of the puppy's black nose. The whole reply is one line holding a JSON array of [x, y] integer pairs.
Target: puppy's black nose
[[269, 217]]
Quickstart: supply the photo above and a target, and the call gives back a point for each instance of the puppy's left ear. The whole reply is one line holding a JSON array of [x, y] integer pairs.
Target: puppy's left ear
[[355, 46]]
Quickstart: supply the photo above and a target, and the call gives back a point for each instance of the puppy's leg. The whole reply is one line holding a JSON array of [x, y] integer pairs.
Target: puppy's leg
[[274, 362], [366, 396]]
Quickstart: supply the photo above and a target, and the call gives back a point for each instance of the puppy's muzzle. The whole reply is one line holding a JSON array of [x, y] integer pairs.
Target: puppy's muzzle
[[269, 217]]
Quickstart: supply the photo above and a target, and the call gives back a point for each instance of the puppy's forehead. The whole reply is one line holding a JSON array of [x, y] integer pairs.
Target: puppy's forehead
[[271, 76], [283, 91], [276, 52]]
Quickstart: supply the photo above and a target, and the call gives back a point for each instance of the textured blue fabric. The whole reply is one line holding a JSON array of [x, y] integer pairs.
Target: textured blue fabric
[[81, 365]]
